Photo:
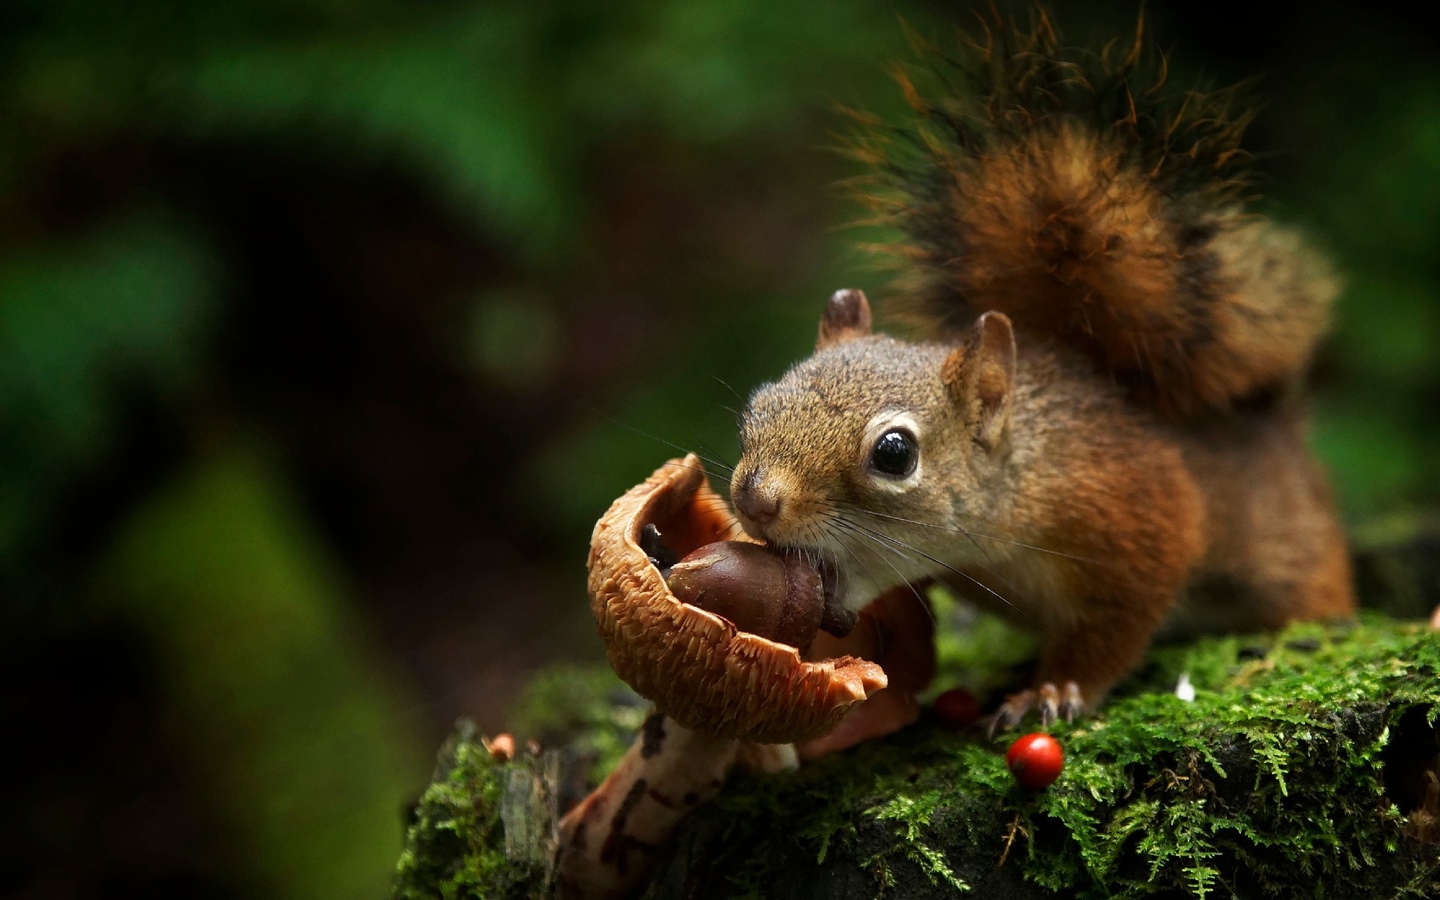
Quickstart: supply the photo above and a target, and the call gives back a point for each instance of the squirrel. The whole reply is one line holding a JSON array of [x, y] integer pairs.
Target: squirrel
[[1100, 430]]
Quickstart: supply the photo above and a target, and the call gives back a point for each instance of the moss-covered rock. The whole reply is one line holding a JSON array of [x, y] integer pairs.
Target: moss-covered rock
[[483, 828], [1299, 770]]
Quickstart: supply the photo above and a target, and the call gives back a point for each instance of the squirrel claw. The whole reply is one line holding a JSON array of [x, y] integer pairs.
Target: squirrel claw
[[1010, 712], [1049, 703], [1072, 703], [1052, 702]]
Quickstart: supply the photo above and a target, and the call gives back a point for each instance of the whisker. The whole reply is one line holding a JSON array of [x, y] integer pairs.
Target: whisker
[[919, 597], [989, 566], [971, 534], [715, 459], [701, 469], [899, 544], [725, 384], [709, 460], [821, 533], [994, 570]]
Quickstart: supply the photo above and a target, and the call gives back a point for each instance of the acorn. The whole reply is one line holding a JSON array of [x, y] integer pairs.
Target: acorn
[[779, 596]]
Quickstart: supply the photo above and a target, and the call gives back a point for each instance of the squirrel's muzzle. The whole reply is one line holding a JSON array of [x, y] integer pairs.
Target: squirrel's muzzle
[[757, 504]]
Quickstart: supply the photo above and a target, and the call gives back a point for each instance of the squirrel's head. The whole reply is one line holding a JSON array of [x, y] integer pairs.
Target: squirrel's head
[[870, 452]]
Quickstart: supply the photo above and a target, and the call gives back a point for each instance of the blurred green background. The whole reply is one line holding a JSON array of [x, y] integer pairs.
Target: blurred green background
[[327, 330]]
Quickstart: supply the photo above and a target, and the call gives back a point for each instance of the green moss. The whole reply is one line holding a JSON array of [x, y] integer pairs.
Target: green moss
[[1286, 776], [481, 829], [1271, 781], [1276, 767], [484, 828], [888, 817]]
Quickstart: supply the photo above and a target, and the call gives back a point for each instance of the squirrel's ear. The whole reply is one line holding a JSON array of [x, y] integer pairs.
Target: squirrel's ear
[[847, 316], [980, 373]]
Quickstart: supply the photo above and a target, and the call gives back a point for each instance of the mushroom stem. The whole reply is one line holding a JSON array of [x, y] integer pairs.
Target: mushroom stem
[[609, 841]]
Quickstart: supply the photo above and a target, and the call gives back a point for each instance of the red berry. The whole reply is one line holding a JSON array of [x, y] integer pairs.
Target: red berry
[[1035, 760], [957, 708]]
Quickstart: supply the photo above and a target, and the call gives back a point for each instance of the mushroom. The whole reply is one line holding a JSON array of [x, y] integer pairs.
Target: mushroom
[[716, 640], [696, 665]]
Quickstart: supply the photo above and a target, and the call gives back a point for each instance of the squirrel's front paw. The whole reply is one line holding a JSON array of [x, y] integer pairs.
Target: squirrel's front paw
[[1051, 701]]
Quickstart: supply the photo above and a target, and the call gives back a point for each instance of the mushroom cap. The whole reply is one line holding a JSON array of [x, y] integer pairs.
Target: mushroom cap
[[695, 666]]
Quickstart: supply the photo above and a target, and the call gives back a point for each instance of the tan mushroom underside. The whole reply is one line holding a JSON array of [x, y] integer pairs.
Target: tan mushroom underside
[[695, 666]]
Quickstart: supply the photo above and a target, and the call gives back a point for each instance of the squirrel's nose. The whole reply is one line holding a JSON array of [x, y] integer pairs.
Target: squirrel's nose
[[757, 506]]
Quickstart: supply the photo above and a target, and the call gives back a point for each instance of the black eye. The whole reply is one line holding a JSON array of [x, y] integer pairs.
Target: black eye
[[895, 453]]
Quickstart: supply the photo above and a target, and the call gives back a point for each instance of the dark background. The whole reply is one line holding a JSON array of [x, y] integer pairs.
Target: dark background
[[327, 330]]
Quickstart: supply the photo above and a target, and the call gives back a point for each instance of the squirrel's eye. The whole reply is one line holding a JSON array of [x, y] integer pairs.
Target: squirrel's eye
[[895, 453]]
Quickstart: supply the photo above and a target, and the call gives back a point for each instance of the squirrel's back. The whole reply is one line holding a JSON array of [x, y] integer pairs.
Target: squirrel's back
[[1080, 195]]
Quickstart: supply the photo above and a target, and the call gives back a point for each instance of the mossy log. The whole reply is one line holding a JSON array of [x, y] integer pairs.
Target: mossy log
[[1305, 767]]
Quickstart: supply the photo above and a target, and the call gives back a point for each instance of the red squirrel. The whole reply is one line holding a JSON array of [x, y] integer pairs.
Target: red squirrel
[[1100, 434]]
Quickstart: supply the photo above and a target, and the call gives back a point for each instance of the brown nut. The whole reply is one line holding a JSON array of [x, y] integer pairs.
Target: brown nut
[[779, 596], [697, 667]]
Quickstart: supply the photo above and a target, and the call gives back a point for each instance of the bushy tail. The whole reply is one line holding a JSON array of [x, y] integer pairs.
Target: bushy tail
[[1078, 195]]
